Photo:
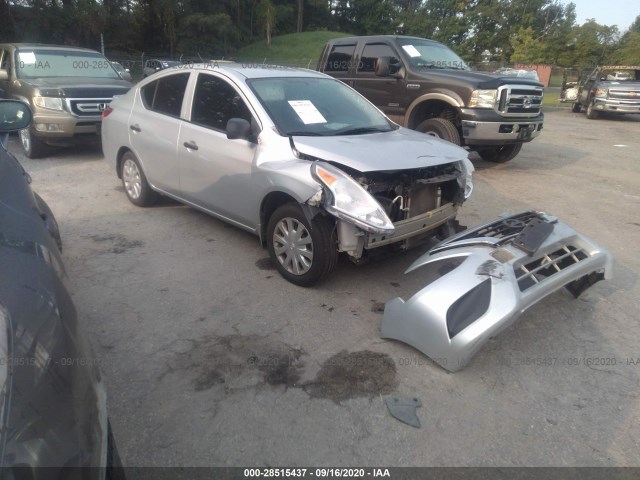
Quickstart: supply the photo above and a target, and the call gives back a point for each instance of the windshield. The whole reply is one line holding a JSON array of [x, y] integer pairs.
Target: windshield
[[317, 106], [627, 75], [425, 54], [42, 63]]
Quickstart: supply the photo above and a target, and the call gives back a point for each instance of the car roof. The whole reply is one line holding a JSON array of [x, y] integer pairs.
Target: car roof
[[21, 46], [381, 37], [619, 67], [250, 70]]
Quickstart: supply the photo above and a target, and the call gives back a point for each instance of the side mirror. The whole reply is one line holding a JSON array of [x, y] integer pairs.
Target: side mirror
[[386, 67], [14, 116], [238, 128]]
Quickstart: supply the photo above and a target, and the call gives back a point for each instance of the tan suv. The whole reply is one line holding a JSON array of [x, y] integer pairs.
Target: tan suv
[[67, 88]]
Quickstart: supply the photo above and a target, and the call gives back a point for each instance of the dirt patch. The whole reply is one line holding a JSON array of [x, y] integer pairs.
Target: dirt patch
[[265, 264], [356, 374], [377, 307], [120, 243], [236, 361]]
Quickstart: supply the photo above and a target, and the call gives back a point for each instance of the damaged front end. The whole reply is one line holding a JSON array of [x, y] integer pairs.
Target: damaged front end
[[496, 271], [399, 208]]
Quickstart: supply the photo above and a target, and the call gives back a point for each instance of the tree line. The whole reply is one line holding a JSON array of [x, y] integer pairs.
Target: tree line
[[505, 31]]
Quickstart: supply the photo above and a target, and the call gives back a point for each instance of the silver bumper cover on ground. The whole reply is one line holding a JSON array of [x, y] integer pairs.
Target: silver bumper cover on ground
[[496, 271]]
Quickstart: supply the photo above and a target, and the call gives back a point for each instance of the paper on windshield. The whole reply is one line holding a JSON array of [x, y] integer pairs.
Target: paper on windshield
[[307, 111], [411, 50], [27, 57]]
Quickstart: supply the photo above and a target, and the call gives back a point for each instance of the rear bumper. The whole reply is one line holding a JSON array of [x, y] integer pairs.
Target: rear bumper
[[493, 283]]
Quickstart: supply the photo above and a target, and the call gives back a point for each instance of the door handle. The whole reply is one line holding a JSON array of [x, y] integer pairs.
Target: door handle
[[191, 145], [135, 128]]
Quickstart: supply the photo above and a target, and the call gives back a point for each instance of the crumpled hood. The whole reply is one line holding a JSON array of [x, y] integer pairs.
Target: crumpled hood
[[400, 149]]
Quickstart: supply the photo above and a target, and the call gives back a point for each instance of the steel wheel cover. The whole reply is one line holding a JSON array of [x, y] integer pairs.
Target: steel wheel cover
[[131, 178], [293, 246]]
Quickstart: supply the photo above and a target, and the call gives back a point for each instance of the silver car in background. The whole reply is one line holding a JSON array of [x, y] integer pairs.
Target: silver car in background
[[294, 156]]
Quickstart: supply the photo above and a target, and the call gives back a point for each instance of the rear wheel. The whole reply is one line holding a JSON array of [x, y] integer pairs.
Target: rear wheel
[[303, 251], [135, 183], [576, 108], [592, 113], [501, 154], [440, 128], [33, 147]]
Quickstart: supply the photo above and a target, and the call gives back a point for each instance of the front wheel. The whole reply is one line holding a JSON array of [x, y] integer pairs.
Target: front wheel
[[576, 108], [501, 154], [440, 128], [33, 147], [303, 251], [135, 182], [592, 114]]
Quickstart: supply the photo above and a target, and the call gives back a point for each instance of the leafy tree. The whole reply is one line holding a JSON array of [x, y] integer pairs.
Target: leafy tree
[[527, 47], [593, 43], [267, 15]]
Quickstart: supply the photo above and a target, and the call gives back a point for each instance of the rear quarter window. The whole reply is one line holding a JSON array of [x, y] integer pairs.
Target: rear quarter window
[[165, 95]]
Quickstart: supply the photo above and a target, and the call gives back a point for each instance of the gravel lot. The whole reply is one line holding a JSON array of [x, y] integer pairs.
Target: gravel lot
[[211, 358]]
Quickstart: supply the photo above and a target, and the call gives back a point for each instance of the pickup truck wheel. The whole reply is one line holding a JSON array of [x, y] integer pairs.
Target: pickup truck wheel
[[33, 147], [576, 108], [135, 183], [500, 154], [303, 251], [441, 128], [592, 114]]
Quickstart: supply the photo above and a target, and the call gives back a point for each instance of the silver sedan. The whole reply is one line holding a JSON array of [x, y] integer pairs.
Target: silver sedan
[[294, 156]]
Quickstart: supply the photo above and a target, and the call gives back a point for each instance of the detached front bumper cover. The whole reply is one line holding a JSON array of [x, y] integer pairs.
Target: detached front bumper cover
[[503, 268]]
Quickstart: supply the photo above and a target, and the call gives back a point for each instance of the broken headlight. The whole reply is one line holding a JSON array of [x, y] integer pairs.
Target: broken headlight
[[348, 201]]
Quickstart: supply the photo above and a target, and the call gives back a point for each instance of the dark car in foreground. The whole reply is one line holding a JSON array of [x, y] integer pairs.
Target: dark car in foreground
[[52, 397], [66, 87]]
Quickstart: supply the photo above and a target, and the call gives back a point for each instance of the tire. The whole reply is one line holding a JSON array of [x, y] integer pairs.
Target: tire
[[440, 128], [592, 114], [500, 154], [303, 251], [33, 147], [135, 182], [576, 108]]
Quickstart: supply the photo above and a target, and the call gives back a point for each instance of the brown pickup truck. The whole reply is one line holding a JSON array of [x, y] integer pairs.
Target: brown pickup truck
[[423, 85], [67, 89]]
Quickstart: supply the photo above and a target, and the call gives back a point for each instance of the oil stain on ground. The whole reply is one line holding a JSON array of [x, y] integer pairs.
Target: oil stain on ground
[[120, 243], [237, 362], [354, 374]]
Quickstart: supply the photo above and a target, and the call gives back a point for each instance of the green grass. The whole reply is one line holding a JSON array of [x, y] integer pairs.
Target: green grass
[[294, 49], [552, 99]]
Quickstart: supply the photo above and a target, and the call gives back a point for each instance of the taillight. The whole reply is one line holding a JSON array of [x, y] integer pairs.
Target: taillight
[[107, 111]]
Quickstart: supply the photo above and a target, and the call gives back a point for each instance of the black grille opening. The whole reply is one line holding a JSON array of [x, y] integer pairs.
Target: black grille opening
[[534, 272]]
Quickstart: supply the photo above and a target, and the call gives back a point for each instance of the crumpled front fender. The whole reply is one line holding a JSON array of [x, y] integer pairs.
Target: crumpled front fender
[[503, 268]]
